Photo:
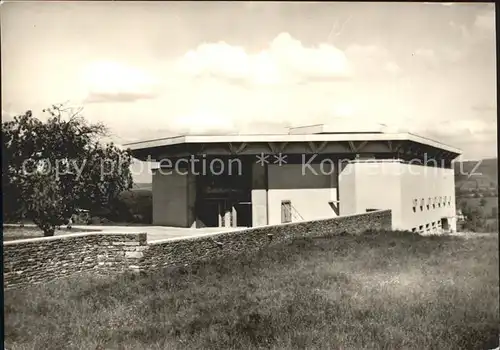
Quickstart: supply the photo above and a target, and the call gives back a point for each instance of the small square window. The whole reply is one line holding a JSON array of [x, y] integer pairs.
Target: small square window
[[414, 202]]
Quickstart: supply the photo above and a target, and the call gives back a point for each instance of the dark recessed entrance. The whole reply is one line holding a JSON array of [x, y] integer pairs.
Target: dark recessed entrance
[[444, 224], [223, 193]]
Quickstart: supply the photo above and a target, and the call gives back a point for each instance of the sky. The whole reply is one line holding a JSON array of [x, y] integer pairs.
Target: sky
[[158, 69]]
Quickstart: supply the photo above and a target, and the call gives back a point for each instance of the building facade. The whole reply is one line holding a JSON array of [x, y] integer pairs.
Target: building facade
[[310, 173]]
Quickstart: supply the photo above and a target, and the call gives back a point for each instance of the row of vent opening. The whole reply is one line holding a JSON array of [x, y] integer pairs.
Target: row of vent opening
[[441, 201]]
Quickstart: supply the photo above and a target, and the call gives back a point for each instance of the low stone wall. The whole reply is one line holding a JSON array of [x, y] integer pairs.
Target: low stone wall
[[175, 252], [38, 260], [30, 261]]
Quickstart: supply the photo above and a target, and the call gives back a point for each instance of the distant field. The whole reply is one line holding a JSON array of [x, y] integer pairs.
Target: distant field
[[377, 291]]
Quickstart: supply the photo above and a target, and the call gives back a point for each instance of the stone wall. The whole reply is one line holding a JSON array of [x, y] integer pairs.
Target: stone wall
[[175, 252], [38, 260], [30, 261]]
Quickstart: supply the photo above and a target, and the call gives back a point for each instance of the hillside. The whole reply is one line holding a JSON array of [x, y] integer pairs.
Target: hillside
[[478, 175], [374, 291]]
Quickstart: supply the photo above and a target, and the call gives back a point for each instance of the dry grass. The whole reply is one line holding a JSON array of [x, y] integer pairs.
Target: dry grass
[[377, 291]]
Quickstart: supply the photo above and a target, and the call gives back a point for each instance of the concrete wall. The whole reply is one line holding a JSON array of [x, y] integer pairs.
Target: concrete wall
[[43, 259], [259, 195], [376, 186], [395, 185], [347, 190], [309, 192], [31, 261], [174, 197], [419, 182]]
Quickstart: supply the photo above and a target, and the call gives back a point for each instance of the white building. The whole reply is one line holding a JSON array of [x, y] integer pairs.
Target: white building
[[312, 172]]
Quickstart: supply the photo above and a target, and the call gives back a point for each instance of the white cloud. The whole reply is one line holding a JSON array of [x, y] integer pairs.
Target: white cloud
[[286, 60], [6, 116], [441, 55], [452, 55], [482, 28], [203, 121], [485, 21], [477, 139], [427, 54], [392, 67], [455, 131], [107, 81], [371, 59]]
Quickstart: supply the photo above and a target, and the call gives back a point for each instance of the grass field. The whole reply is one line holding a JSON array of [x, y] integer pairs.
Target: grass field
[[376, 291], [13, 233]]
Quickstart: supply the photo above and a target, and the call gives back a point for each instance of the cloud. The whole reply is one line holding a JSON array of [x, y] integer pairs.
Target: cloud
[[441, 55], [392, 67], [452, 55], [458, 131], [107, 81], [285, 61], [371, 59], [484, 107], [485, 21], [427, 54], [482, 28], [105, 97], [476, 138], [6, 116], [458, 127]]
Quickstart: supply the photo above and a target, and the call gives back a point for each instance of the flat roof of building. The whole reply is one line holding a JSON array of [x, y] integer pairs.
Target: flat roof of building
[[318, 137]]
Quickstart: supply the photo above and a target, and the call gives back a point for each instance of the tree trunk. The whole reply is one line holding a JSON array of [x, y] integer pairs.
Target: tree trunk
[[48, 230]]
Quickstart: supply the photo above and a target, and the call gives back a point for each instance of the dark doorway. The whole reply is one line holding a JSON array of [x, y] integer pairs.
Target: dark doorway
[[225, 195], [243, 214], [208, 211], [444, 224]]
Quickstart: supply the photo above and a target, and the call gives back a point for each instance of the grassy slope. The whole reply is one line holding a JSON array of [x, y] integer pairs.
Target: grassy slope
[[376, 291]]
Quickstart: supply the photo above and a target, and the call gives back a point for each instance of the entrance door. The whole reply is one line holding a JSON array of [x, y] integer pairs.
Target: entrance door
[[243, 214], [445, 225], [208, 212]]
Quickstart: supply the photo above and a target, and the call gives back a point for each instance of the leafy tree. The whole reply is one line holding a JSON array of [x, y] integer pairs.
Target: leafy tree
[[51, 168], [474, 220]]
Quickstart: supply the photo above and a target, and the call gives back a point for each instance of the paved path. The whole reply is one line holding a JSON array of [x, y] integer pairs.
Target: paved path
[[159, 232], [154, 233]]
